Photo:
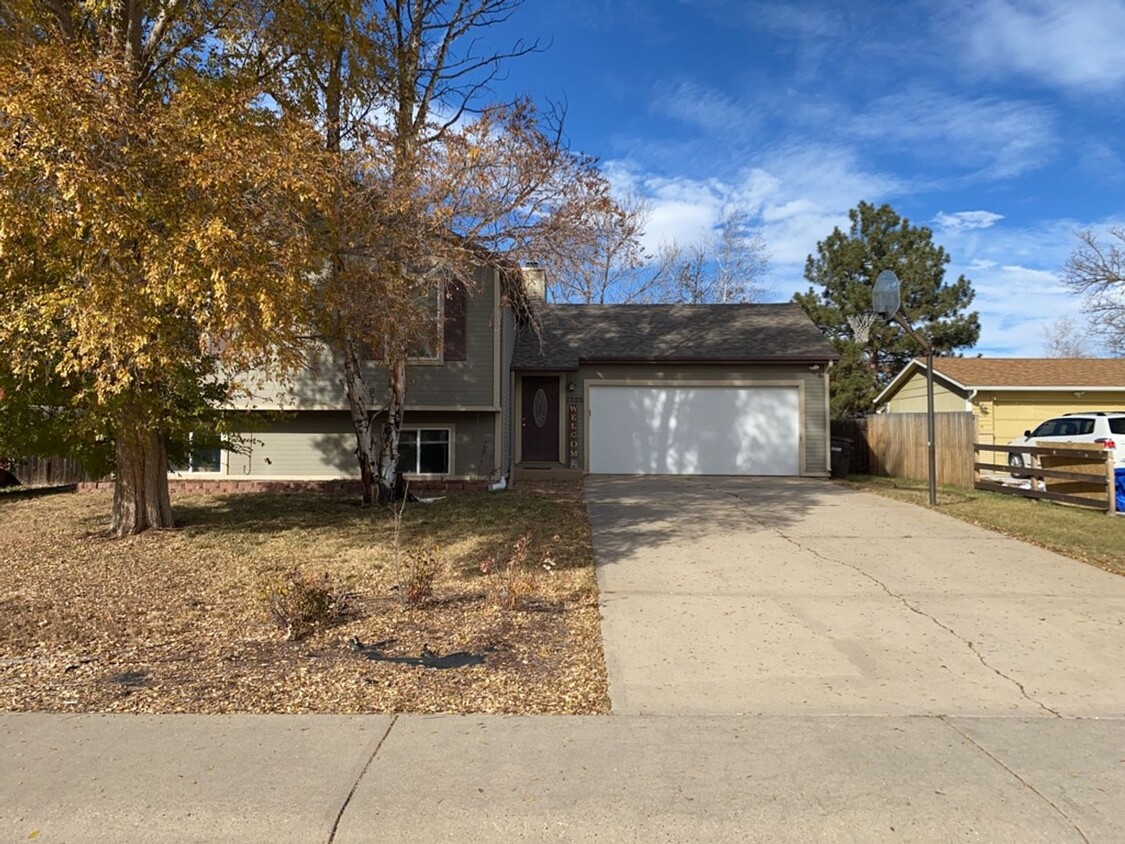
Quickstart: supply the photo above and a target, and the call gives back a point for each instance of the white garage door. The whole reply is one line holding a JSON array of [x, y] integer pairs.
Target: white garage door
[[694, 430]]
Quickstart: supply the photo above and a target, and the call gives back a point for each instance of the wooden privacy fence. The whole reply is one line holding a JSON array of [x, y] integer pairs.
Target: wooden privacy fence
[[895, 444], [46, 471], [1071, 473]]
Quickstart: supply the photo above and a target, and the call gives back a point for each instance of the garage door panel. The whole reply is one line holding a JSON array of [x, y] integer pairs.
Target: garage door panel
[[694, 430]]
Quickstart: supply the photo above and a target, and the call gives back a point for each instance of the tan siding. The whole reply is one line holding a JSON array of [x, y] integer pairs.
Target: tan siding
[[911, 397], [1014, 412], [985, 411], [321, 444], [814, 421], [305, 445]]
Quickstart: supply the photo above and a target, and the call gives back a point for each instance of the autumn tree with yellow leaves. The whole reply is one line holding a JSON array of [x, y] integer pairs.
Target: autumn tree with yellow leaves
[[189, 190], [157, 233]]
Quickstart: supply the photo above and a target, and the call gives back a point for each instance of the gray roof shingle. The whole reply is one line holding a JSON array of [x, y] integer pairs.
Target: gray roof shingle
[[573, 334]]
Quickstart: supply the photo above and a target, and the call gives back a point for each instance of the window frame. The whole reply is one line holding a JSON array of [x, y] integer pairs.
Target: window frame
[[450, 433], [438, 357], [190, 469]]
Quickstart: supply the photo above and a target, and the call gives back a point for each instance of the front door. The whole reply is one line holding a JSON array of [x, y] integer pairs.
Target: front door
[[540, 418]]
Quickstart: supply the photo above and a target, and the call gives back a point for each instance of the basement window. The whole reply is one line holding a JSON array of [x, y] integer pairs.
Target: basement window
[[424, 451], [201, 457]]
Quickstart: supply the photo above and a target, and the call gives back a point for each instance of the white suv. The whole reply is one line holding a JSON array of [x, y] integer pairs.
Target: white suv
[[1106, 427]]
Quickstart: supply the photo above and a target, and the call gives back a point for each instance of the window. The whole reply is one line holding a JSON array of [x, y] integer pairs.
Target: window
[[1084, 426], [424, 451], [1117, 426], [1050, 428], [201, 457], [426, 346]]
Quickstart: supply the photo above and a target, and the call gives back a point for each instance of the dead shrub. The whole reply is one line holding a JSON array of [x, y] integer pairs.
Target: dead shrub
[[301, 602], [512, 580], [418, 569]]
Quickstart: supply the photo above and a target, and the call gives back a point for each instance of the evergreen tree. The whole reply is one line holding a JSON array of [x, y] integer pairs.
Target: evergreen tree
[[843, 273]]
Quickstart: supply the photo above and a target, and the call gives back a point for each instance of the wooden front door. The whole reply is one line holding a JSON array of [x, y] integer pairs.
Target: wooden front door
[[539, 418]]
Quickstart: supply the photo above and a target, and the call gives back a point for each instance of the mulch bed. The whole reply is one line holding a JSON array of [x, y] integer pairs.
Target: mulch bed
[[175, 621]]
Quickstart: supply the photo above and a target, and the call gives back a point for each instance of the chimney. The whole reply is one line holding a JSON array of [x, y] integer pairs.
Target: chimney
[[534, 281]]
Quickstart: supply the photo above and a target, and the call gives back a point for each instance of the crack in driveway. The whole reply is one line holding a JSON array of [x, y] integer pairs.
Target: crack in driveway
[[1025, 783], [903, 600]]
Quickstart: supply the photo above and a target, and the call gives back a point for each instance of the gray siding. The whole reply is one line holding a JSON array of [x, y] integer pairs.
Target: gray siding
[[815, 434], [470, 383], [321, 445]]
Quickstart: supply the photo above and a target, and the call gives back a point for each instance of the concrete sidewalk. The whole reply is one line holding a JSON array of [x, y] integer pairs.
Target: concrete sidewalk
[[790, 596], [612, 779]]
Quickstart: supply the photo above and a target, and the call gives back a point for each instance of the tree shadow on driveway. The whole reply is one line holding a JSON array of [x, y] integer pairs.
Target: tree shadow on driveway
[[630, 513]]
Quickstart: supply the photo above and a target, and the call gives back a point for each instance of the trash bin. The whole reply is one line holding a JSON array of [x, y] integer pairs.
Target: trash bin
[[1119, 484], [841, 451]]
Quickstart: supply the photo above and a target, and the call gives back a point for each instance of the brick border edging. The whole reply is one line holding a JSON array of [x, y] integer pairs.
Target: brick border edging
[[340, 487]]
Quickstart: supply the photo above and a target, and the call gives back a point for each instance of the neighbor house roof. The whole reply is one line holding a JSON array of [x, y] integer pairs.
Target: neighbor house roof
[[1018, 374], [574, 334]]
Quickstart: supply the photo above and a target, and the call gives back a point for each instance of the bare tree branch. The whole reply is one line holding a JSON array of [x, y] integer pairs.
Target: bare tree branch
[[1097, 273]]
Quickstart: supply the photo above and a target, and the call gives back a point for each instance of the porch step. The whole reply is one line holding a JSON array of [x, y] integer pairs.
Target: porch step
[[547, 473]]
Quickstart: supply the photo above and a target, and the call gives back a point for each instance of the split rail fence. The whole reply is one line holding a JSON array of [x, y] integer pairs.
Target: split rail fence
[[1070, 473]]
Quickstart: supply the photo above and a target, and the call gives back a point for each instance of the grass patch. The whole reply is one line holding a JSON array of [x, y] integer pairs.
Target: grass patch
[[184, 608], [1087, 535]]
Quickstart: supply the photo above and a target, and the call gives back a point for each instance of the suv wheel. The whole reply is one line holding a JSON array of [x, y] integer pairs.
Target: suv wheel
[[1015, 461]]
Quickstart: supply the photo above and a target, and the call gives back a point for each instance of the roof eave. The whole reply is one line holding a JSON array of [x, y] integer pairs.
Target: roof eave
[[725, 361], [916, 365], [1051, 387]]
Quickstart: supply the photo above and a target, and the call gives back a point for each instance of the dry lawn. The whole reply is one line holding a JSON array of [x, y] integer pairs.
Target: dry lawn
[[1076, 532], [176, 621]]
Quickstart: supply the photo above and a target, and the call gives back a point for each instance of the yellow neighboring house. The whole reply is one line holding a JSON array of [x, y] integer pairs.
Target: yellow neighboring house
[[1009, 395]]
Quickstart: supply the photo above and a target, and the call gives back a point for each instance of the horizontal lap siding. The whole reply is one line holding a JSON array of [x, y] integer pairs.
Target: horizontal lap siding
[[467, 383], [814, 420], [321, 445], [911, 397], [1014, 412]]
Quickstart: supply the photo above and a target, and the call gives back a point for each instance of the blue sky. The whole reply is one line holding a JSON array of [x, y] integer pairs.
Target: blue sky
[[996, 123]]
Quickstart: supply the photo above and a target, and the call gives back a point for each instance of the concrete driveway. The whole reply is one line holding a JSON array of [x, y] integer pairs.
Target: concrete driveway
[[799, 597]]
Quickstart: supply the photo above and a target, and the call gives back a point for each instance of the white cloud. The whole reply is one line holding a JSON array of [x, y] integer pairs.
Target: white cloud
[[801, 193], [1075, 44], [966, 220], [707, 108], [998, 138], [795, 195], [1015, 273]]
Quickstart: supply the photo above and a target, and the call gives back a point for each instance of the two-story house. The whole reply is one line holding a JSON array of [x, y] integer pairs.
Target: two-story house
[[617, 389]]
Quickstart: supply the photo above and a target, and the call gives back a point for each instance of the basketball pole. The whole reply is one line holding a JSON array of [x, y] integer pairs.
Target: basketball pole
[[930, 422]]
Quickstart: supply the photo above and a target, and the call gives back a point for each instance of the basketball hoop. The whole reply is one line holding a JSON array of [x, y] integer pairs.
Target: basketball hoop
[[861, 326]]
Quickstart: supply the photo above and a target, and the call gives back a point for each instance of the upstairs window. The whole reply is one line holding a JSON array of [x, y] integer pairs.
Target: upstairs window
[[426, 345]]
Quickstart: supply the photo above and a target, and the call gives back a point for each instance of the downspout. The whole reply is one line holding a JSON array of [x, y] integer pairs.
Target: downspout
[[828, 417], [511, 429]]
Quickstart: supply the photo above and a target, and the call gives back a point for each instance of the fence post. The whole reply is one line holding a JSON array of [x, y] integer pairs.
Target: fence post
[[1111, 483], [976, 460]]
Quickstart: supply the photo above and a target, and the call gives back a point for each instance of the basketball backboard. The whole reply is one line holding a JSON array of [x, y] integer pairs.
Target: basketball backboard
[[885, 299]]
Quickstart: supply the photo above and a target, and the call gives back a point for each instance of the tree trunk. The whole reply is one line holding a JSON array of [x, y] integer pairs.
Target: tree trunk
[[388, 444], [359, 405], [140, 489]]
